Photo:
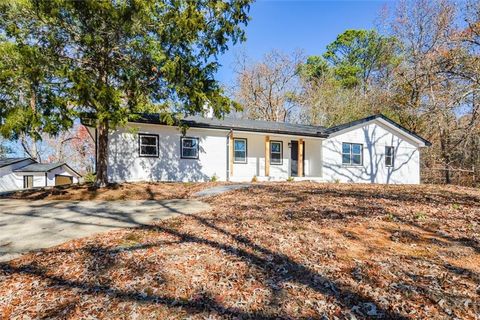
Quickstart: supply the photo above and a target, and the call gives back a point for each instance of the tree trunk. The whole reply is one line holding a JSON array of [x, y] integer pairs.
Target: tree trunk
[[102, 154], [447, 174], [33, 105]]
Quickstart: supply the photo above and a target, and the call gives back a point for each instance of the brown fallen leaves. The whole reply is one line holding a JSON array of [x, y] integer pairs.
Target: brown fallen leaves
[[286, 250], [124, 191]]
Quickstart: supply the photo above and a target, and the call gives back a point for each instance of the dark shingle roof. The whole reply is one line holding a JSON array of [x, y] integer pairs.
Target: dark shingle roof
[[8, 161], [370, 118], [270, 126], [242, 125], [39, 167], [44, 167]]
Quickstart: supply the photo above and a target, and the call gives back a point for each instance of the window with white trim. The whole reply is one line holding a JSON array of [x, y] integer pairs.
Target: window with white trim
[[239, 150], [148, 145], [352, 154], [389, 156], [276, 152], [189, 148]]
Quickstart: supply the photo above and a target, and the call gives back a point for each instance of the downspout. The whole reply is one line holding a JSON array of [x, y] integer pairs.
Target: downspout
[[46, 179]]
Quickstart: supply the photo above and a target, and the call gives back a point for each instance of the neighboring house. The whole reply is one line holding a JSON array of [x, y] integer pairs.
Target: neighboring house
[[371, 150], [26, 173]]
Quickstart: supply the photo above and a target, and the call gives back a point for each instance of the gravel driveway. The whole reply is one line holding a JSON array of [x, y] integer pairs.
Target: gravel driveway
[[30, 225]]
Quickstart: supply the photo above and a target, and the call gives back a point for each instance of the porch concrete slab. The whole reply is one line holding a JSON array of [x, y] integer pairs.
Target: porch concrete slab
[[31, 225]]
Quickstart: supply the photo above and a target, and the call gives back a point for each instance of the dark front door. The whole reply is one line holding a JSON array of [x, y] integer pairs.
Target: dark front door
[[294, 158]]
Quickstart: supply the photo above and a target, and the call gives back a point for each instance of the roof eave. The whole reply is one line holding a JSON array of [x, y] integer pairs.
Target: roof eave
[[17, 161], [193, 124]]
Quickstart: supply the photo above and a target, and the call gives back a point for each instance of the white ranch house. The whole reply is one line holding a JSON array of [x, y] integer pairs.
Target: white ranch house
[[370, 150], [26, 173]]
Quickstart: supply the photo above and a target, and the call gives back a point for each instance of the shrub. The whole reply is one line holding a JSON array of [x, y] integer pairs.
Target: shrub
[[254, 179], [89, 177]]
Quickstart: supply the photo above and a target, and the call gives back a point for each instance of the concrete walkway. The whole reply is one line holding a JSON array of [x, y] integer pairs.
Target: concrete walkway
[[219, 190], [30, 225]]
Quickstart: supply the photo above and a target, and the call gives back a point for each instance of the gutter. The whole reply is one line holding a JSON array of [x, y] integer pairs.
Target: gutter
[[219, 127]]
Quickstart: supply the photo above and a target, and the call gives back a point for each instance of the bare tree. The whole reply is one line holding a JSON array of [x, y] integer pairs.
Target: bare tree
[[431, 96], [266, 89]]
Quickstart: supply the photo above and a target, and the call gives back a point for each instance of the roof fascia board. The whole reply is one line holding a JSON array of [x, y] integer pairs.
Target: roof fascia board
[[72, 171], [403, 134], [227, 129], [279, 135], [407, 135]]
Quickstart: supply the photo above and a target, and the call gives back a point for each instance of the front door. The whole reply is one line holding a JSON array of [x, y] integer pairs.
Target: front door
[[294, 158]]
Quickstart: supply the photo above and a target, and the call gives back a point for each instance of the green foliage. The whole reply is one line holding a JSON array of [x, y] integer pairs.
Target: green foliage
[[108, 60], [4, 149], [89, 177], [214, 178], [290, 179], [316, 67], [420, 215], [456, 206], [356, 54], [150, 56], [29, 85]]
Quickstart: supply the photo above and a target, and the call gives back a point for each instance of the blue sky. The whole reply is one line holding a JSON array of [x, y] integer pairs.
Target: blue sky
[[298, 24]]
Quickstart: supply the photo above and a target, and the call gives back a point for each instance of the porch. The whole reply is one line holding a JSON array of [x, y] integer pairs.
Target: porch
[[264, 157]]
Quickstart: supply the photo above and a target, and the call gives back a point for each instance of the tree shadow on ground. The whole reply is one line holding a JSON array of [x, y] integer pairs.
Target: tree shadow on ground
[[277, 268]]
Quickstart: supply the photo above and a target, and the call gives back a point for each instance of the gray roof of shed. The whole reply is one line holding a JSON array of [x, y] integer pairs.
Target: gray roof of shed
[[44, 167], [39, 167], [8, 161]]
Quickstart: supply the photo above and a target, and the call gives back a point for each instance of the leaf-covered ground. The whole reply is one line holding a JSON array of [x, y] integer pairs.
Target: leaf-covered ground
[[124, 191], [286, 250]]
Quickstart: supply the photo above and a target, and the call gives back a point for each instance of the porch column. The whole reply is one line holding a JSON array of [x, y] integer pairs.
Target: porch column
[[300, 157], [267, 156], [230, 153]]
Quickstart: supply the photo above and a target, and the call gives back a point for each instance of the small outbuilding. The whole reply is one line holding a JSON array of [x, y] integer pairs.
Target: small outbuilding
[[26, 173]]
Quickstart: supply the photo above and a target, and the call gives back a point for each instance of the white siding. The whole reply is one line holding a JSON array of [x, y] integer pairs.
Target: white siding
[[323, 158], [14, 180], [8, 179], [374, 136], [61, 171], [255, 165], [125, 164]]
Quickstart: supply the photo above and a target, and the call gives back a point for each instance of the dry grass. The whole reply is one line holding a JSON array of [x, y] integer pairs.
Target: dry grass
[[124, 191], [287, 250]]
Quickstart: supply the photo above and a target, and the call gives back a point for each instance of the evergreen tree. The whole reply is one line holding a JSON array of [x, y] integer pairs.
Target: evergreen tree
[[106, 61]]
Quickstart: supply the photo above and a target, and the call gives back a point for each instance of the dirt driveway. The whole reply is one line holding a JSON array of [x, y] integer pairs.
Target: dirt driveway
[[29, 225]]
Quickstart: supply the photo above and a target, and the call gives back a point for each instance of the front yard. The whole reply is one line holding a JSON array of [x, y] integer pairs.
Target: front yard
[[278, 250], [125, 191]]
